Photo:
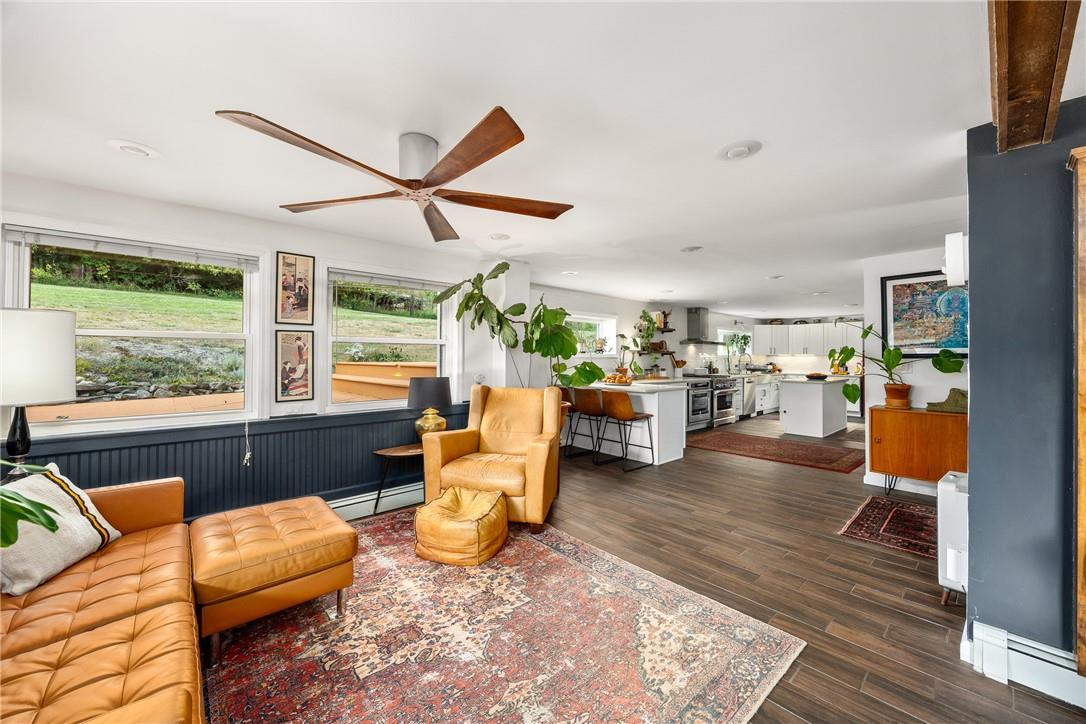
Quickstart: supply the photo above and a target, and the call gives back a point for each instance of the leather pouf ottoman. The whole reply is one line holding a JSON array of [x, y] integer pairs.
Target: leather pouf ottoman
[[462, 527]]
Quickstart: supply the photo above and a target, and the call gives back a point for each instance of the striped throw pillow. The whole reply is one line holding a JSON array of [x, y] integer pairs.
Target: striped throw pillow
[[39, 555]]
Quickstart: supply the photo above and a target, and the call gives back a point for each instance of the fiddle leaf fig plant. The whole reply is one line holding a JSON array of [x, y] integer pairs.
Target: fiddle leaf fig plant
[[891, 361], [543, 333]]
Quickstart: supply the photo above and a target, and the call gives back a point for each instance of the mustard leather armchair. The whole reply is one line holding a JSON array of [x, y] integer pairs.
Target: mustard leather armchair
[[510, 445]]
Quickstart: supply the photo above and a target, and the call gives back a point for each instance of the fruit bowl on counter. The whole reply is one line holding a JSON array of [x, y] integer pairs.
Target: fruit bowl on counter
[[816, 376]]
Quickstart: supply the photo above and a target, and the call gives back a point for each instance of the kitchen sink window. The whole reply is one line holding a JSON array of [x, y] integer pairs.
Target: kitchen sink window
[[733, 342], [596, 335]]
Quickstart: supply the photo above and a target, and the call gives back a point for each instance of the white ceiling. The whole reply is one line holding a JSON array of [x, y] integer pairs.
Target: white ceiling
[[862, 109]]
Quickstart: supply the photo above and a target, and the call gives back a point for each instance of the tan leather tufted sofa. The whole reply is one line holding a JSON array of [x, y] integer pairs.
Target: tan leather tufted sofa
[[510, 445], [112, 638]]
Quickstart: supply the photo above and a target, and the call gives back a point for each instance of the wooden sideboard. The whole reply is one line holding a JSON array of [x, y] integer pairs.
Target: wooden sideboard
[[918, 444]]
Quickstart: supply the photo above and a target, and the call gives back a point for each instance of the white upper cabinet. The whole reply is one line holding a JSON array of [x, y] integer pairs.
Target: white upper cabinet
[[812, 339], [763, 340], [806, 339]]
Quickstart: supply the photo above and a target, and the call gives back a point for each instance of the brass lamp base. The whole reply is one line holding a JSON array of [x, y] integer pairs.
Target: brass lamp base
[[429, 422]]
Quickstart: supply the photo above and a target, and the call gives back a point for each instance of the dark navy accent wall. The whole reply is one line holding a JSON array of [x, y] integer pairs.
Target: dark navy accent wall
[[326, 455], [1021, 379]]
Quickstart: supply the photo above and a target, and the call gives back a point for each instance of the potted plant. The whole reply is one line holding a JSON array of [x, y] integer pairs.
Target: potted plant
[[892, 359], [623, 348], [543, 332]]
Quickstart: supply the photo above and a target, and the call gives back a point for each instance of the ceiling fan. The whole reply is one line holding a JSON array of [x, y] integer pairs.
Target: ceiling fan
[[495, 134]]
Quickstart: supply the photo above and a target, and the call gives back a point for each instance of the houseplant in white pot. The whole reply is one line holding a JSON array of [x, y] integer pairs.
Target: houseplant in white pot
[[891, 362]]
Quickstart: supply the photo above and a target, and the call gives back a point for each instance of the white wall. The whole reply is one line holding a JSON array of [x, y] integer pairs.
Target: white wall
[[928, 384], [54, 205]]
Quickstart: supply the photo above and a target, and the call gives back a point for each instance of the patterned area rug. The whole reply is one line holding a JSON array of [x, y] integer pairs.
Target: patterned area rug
[[551, 629], [793, 452], [895, 524]]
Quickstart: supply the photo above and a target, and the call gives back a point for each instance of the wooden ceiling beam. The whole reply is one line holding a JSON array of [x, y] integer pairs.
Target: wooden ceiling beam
[[1029, 44]]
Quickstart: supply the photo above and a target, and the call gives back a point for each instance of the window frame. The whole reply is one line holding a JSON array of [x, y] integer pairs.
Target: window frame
[[17, 287], [446, 327], [610, 319]]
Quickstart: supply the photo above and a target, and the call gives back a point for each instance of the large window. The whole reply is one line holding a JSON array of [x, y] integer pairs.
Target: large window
[[158, 331], [384, 332]]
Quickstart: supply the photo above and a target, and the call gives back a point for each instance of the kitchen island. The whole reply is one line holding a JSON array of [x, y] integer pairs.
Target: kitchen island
[[813, 408], [666, 402]]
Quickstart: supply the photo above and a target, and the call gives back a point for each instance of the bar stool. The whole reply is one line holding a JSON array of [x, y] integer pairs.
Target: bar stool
[[589, 406], [617, 406]]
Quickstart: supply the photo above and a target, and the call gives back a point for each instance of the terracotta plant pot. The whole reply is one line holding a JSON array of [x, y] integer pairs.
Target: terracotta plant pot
[[897, 395], [621, 371]]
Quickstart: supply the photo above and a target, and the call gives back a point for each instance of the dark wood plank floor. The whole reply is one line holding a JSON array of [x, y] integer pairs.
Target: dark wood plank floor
[[761, 537]]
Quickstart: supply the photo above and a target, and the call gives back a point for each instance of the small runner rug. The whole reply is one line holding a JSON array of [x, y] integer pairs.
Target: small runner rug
[[551, 629], [895, 524], [793, 452]]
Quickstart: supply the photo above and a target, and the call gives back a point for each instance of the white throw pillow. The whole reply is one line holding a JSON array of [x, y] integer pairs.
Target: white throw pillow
[[38, 555]]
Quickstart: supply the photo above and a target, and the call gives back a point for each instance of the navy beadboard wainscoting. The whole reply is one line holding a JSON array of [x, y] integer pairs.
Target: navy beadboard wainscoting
[[326, 455]]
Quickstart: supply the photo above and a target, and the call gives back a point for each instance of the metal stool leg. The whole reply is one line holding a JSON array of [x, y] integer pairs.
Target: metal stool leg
[[651, 447]]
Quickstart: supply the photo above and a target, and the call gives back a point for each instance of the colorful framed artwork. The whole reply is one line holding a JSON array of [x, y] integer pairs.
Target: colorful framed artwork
[[294, 287], [294, 365], [921, 314]]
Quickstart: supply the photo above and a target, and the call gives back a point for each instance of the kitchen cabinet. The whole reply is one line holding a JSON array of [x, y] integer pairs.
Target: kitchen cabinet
[[770, 339], [806, 339], [767, 396], [812, 339]]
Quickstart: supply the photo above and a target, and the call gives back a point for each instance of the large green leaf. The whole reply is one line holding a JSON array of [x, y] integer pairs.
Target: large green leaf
[[636, 368], [448, 293], [851, 391], [15, 507], [515, 310], [554, 315], [499, 269], [508, 335], [947, 362], [867, 331], [556, 341], [891, 358], [586, 373]]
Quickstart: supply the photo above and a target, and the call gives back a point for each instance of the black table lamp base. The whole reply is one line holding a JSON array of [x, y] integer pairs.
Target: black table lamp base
[[18, 443]]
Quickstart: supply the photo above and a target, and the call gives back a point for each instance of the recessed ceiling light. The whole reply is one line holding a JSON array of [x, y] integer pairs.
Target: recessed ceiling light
[[570, 273], [666, 291], [133, 148], [775, 277], [819, 294], [739, 150], [721, 302], [499, 237], [852, 305], [691, 249]]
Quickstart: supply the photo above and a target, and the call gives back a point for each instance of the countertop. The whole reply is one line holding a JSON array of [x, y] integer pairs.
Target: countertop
[[829, 380], [643, 387]]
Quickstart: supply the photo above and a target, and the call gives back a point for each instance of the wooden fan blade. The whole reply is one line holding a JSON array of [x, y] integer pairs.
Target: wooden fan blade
[[439, 225], [268, 128], [328, 203], [510, 204], [492, 135]]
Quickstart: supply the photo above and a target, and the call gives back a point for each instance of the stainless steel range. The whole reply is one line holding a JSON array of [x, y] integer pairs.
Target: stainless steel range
[[713, 400]]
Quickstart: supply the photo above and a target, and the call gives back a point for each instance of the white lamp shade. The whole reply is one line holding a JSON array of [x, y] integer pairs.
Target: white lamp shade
[[37, 356]]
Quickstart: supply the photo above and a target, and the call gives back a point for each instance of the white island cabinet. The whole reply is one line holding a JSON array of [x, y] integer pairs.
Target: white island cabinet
[[814, 409], [666, 402]]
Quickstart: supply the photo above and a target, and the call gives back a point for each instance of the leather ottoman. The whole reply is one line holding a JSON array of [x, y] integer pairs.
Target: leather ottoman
[[251, 562], [463, 527]]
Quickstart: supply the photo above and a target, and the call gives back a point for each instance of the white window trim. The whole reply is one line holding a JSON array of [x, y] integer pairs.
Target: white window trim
[[595, 317], [16, 293], [449, 350]]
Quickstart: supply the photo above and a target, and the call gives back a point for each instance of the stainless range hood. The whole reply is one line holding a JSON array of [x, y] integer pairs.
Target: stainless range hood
[[697, 326]]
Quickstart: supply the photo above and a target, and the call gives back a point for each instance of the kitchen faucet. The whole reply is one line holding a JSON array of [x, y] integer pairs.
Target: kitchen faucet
[[749, 360]]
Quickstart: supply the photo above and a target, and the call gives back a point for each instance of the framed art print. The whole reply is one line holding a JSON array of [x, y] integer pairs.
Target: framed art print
[[294, 286], [921, 314], [294, 365]]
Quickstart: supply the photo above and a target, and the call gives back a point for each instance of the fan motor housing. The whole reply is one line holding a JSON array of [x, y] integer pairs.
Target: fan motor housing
[[418, 154]]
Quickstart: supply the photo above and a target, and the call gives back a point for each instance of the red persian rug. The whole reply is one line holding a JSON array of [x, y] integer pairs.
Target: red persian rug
[[793, 452], [551, 629], [895, 524]]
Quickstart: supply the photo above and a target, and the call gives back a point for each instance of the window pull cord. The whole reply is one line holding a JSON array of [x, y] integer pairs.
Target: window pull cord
[[247, 461]]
